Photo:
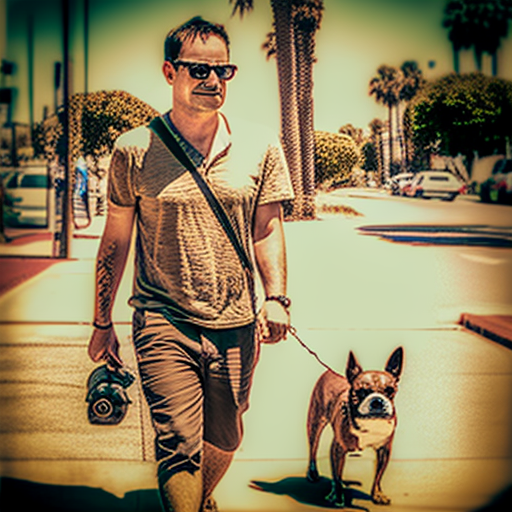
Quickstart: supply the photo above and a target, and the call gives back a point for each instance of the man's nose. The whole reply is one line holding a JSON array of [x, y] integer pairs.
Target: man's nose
[[212, 81]]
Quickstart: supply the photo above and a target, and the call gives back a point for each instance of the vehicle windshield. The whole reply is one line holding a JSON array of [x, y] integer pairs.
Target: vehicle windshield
[[502, 166], [33, 181]]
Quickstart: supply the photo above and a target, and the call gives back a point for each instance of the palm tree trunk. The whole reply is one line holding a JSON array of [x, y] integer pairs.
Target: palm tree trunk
[[399, 134], [495, 63], [304, 54], [290, 132], [390, 142], [456, 60], [478, 59]]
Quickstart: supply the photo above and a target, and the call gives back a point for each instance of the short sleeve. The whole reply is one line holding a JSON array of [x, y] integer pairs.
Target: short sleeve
[[121, 190], [276, 184]]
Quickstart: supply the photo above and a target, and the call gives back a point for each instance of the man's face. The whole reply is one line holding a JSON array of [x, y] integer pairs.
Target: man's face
[[198, 95]]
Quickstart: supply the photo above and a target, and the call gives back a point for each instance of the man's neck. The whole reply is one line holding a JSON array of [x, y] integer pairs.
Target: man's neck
[[199, 130]]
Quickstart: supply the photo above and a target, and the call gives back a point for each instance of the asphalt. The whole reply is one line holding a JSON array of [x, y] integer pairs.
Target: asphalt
[[452, 449]]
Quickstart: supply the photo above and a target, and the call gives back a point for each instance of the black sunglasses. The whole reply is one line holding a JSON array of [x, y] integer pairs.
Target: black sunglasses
[[201, 71]]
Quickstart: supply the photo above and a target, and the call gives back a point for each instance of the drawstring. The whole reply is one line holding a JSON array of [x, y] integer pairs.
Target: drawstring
[[293, 332]]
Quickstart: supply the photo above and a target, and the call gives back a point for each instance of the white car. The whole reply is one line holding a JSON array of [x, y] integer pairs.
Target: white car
[[440, 184], [28, 188]]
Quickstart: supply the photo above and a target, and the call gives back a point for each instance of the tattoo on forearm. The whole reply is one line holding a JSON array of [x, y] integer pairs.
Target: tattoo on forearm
[[106, 279]]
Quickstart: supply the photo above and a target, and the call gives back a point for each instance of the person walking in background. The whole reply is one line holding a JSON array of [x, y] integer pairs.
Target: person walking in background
[[197, 323]]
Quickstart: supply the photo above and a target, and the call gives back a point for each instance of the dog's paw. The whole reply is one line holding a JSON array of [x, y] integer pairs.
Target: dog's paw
[[336, 497], [379, 498]]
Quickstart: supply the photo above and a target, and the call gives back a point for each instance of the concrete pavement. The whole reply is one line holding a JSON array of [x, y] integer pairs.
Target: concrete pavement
[[452, 452]]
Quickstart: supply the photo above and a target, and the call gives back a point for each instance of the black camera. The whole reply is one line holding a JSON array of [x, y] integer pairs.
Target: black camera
[[106, 395]]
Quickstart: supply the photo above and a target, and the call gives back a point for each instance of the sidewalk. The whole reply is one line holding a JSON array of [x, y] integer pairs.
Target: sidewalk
[[452, 451]]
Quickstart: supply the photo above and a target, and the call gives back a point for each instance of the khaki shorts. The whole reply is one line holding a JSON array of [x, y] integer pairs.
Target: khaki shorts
[[196, 382]]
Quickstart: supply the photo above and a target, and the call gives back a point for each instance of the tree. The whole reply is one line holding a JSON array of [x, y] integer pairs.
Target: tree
[[335, 157], [463, 114], [307, 17], [356, 133], [459, 28], [477, 24], [292, 42], [412, 82], [386, 89], [491, 21], [376, 126], [95, 121]]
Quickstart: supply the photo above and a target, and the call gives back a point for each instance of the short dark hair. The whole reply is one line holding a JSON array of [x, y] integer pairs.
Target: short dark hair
[[191, 29]]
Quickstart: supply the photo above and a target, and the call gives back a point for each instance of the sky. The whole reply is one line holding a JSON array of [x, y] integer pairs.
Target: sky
[[355, 38]]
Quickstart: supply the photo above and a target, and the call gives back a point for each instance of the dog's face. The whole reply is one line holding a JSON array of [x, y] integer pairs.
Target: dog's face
[[372, 392]]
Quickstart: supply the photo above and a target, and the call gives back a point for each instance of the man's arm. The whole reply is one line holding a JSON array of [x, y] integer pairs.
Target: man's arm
[[270, 253], [110, 264]]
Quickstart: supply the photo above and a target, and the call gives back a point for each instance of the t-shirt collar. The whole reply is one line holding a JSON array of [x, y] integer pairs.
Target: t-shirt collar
[[221, 140]]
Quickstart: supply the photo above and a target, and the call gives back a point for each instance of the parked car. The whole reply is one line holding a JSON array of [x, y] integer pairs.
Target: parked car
[[28, 189], [498, 187], [399, 181], [440, 184]]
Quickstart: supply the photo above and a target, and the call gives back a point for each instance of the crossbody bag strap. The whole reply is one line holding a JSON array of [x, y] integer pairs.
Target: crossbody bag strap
[[159, 126]]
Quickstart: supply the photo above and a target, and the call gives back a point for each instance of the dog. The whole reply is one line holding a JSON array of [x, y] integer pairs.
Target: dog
[[360, 409]]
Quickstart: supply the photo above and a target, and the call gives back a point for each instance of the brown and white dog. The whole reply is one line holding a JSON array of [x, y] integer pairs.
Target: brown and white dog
[[360, 408]]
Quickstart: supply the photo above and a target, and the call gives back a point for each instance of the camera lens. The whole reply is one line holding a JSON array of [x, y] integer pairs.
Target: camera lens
[[106, 395], [102, 408]]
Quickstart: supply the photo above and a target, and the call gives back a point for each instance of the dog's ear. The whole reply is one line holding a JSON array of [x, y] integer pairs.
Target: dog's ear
[[394, 364], [353, 367]]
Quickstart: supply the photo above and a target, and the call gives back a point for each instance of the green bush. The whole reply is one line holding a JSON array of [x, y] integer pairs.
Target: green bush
[[335, 157]]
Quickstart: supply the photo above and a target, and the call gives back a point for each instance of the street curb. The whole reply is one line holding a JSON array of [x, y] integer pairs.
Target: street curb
[[497, 328]]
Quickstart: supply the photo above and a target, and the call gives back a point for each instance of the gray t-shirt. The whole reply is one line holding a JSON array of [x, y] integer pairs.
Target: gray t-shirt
[[185, 266]]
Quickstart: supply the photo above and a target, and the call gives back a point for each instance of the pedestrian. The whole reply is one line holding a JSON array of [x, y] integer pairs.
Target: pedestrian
[[197, 322]]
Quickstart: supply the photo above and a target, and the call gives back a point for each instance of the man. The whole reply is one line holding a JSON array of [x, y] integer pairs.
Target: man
[[194, 327]]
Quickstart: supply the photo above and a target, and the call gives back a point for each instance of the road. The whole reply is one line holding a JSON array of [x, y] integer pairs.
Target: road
[[350, 291], [388, 284]]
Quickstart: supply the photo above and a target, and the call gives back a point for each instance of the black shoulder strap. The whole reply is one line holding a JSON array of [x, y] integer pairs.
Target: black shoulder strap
[[159, 126]]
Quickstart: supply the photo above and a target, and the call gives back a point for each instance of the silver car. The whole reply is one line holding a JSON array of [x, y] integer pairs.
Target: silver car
[[28, 190]]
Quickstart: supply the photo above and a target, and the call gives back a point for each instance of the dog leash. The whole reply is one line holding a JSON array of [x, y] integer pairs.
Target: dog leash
[[293, 332]]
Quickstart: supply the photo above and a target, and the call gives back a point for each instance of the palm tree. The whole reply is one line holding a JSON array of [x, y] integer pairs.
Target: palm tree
[[287, 78], [280, 43], [459, 28], [307, 17], [491, 21], [480, 24], [386, 89], [376, 126], [412, 81]]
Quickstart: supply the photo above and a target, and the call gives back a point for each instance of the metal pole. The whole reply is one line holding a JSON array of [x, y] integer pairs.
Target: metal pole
[[66, 234]]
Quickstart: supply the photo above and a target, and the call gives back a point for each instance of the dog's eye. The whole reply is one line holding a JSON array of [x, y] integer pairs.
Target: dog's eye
[[363, 393], [389, 391]]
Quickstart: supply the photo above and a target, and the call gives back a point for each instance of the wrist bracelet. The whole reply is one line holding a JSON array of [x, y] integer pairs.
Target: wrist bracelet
[[102, 327], [282, 299]]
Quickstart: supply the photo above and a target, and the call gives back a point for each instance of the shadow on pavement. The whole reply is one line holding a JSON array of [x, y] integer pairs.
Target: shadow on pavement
[[501, 503], [16, 495], [478, 235], [308, 493]]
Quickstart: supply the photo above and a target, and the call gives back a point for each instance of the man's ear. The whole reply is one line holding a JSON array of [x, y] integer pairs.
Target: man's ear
[[168, 71]]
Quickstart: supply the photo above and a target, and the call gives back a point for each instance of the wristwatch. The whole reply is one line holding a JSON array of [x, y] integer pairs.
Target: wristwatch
[[282, 299]]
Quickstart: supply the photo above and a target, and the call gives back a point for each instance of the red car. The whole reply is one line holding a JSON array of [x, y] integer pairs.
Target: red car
[[498, 187]]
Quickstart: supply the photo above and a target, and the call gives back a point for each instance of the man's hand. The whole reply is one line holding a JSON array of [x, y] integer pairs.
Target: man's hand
[[104, 345], [273, 322]]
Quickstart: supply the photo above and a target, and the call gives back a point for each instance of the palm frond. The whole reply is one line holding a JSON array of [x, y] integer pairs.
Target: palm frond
[[241, 6]]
